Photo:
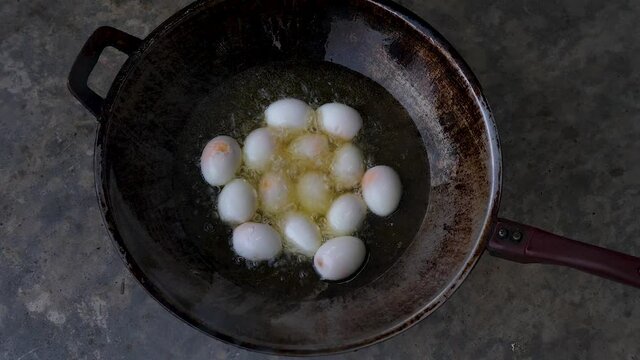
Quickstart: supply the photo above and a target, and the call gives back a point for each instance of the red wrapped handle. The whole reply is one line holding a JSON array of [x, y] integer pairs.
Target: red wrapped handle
[[527, 244]]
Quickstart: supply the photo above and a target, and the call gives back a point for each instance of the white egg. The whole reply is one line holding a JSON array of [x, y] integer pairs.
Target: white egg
[[256, 242], [339, 258], [310, 147], [339, 120], [259, 148], [346, 214], [289, 113], [314, 192], [302, 235], [274, 192], [381, 190], [220, 160], [348, 166], [237, 202]]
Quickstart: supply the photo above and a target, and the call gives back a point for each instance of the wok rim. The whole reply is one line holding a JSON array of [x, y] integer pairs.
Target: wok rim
[[421, 27]]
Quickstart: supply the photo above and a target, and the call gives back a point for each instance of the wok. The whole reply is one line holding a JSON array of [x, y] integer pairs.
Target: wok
[[211, 69]]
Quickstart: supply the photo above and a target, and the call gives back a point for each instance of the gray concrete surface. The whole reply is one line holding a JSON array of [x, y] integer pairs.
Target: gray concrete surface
[[563, 80]]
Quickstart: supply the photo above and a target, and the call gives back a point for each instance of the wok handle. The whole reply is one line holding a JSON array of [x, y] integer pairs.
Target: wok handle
[[88, 57], [527, 244]]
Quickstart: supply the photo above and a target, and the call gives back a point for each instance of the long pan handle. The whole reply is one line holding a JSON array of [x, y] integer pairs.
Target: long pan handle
[[527, 244]]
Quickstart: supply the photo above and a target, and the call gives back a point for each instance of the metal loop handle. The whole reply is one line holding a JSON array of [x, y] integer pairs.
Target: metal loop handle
[[88, 57]]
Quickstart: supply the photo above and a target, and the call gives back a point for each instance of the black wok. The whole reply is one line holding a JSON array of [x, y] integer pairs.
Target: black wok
[[212, 69]]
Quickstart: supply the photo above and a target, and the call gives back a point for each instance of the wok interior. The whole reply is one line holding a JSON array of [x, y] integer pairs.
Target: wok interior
[[235, 107], [213, 72]]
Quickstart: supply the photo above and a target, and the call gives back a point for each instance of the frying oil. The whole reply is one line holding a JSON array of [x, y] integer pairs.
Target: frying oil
[[292, 167], [234, 106]]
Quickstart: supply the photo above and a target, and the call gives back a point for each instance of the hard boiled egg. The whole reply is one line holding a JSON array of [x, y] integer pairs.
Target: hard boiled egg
[[381, 190], [314, 192], [302, 235], [346, 214], [220, 160], [339, 258], [289, 113], [310, 147], [237, 202], [339, 120], [256, 242], [259, 148], [348, 166], [274, 192]]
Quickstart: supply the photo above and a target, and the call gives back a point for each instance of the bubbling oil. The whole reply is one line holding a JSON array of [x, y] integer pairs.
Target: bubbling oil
[[291, 166], [235, 107]]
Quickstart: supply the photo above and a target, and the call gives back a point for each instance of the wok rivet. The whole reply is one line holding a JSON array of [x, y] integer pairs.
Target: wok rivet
[[503, 233], [517, 236]]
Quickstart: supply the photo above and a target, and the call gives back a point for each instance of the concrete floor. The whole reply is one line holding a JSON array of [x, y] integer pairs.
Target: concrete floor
[[563, 81]]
